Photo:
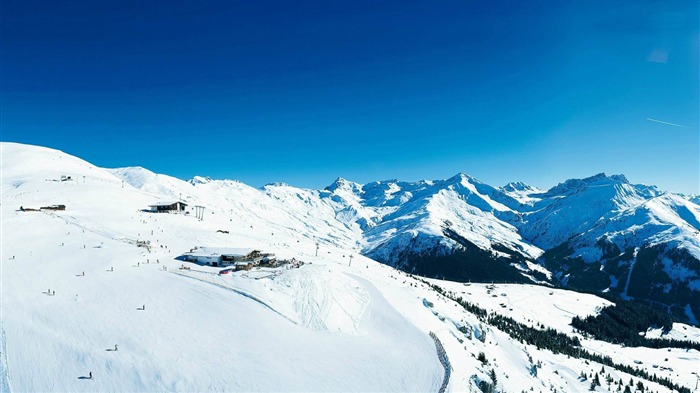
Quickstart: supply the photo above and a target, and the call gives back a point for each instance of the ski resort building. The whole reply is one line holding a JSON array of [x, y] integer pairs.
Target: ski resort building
[[241, 258], [168, 207], [54, 207]]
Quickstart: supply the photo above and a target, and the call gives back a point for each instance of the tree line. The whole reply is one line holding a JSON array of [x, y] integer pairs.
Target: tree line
[[622, 324], [550, 339]]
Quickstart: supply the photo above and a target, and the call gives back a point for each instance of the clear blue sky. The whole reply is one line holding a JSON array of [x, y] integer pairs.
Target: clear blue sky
[[303, 92]]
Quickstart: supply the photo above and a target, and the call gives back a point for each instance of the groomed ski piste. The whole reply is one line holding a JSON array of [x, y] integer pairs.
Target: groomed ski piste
[[332, 324]]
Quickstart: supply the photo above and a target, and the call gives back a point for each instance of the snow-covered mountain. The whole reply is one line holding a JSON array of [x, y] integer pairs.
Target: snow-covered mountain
[[596, 230], [587, 232], [432, 227], [75, 282]]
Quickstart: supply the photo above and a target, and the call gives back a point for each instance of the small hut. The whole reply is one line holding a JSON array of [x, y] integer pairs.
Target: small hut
[[168, 207]]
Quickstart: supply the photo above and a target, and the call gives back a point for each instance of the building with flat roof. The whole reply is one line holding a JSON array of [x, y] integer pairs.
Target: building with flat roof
[[241, 258], [167, 207]]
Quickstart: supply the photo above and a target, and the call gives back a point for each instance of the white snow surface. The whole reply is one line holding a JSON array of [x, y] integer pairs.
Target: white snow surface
[[333, 324]]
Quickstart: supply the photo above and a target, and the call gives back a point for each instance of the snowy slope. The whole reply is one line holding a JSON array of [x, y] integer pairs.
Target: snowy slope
[[334, 324], [193, 332], [285, 209]]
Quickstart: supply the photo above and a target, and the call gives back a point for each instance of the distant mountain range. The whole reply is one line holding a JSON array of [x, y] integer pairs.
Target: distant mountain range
[[600, 234]]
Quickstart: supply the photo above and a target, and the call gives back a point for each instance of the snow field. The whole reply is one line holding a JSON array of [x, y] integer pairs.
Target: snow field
[[331, 325]]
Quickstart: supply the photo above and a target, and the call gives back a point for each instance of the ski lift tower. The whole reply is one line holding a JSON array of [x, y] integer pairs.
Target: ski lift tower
[[199, 212]]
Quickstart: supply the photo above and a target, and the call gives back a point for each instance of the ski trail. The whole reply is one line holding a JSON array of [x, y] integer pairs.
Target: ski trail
[[244, 294], [313, 305], [629, 275], [70, 220], [563, 310], [5, 380]]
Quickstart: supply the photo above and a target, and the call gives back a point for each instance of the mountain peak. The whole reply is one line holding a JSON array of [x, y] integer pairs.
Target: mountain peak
[[461, 177], [518, 186], [276, 184], [602, 176], [575, 185], [343, 184], [200, 180]]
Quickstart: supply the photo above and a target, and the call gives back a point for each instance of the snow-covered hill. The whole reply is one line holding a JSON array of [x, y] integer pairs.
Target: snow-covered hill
[[334, 324]]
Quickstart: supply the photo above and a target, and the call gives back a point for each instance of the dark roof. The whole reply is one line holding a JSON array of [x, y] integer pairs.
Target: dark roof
[[168, 203]]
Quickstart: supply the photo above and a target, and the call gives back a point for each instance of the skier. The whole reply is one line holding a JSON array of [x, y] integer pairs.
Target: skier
[[115, 347], [90, 375]]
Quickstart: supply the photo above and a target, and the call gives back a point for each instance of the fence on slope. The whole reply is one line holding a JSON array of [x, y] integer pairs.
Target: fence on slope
[[444, 360]]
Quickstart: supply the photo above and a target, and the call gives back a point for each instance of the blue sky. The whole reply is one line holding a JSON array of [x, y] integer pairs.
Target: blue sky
[[304, 92]]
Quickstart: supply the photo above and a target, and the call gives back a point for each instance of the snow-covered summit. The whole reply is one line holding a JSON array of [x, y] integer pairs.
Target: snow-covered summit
[[26, 161], [523, 193], [573, 185], [574, 206], [695, 198], [200, 180], [518, 186], [346, 185], [147, 181]]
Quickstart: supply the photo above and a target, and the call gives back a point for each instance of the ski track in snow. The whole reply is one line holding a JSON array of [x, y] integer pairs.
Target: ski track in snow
[[313, 306], [70, 220], [566, 311], [238, 291]]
